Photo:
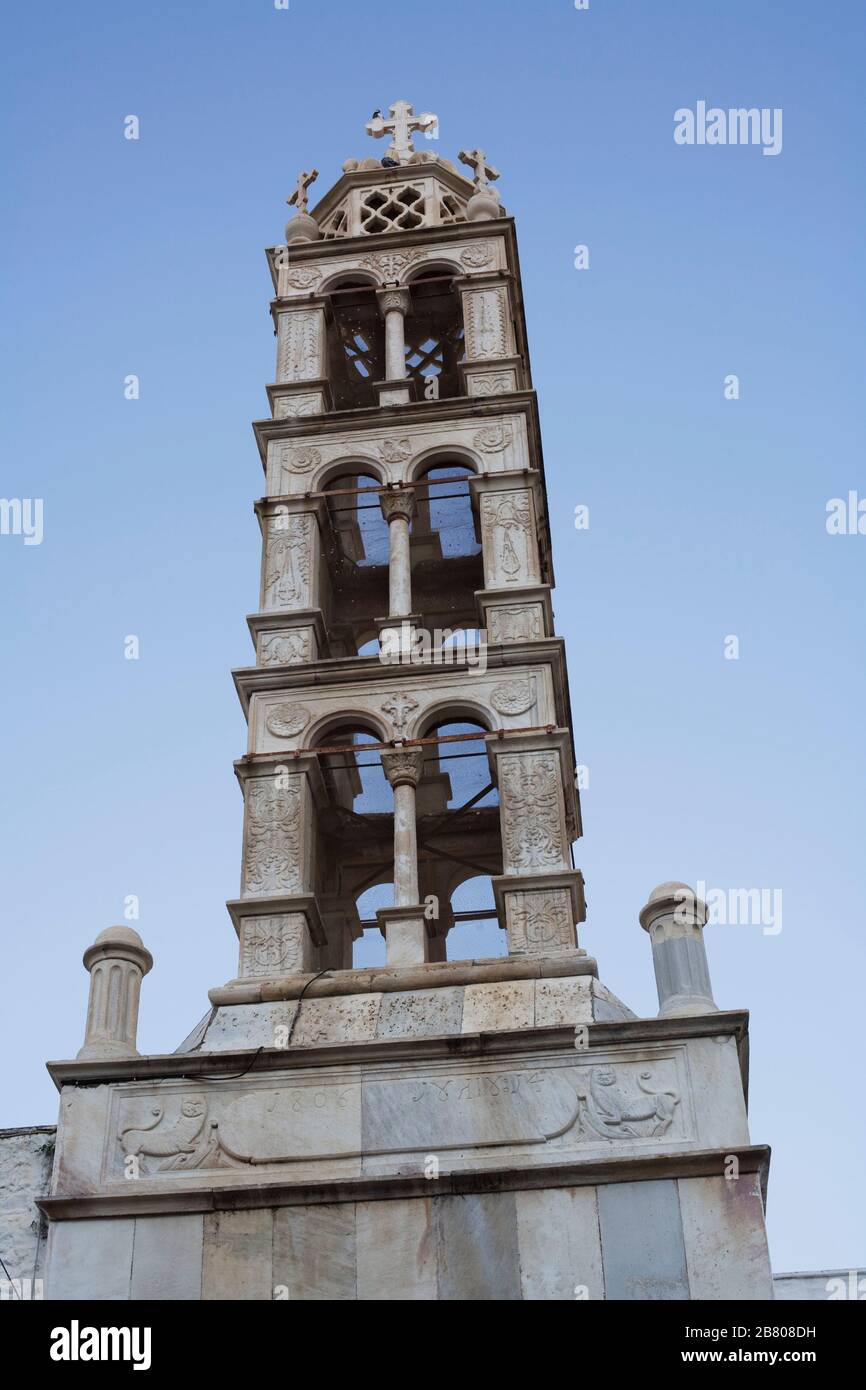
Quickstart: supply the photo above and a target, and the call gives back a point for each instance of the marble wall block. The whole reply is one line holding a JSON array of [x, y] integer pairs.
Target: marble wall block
[[642, 1241]]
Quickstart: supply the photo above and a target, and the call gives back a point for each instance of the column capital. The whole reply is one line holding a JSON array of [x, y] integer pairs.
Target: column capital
[[397, 502], [119, 943], [403, 766], [394, 298]]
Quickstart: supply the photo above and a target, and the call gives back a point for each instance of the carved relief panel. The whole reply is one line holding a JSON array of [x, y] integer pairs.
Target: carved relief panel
[[522, 698], [294, 468], [287, 560], [487, 320], [532, 809], [523, 622], [540, 923], [279, 945], [472, 257], [509, 539], [301, 345], [474, 1113], [277, 811]]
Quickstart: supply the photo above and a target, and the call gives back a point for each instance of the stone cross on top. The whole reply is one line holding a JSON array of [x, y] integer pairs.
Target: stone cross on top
[[477, 160], [300, 194], [400, 128]]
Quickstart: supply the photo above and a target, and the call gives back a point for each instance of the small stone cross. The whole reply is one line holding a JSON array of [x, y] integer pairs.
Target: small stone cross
[[300, 194], [477, 160], [399, 706], [401, 128]]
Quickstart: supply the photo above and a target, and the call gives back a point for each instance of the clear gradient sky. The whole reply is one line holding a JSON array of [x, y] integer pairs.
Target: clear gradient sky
[[707, 516]]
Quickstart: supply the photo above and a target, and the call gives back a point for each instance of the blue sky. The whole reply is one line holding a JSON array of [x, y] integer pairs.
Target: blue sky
[[707, 515]]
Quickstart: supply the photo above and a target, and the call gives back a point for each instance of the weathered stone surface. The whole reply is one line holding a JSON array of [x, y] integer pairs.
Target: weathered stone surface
[[560, 1245], [250, 1025], [396, 1244], [489, 1007], [26, 1156], [606, 1007], [420, 1013], [349, 1019], [642, 1241], [314, 1252], [90, 1259], [167, 1257], [725, 1239], [718, 1092], [563, 1001], [477, 1248], [237, 1255]]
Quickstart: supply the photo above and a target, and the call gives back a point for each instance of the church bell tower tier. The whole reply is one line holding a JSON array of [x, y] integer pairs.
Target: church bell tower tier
[[443, 1124]]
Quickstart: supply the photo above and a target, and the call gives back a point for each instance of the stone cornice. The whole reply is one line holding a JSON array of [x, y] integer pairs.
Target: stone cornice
[[350, 670], [225, 1064], [694, 1163], [451, 408], [339, 248]]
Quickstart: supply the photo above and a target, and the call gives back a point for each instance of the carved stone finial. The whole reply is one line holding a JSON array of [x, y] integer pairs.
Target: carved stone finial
[[302, 227], [299, 196], [118, 960], [485, 203], [674, 918], [401, 128], [484, 172]]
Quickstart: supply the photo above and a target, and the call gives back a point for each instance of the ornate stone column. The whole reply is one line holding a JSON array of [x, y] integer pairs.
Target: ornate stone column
[[398, 507], [394, 303], [302, 358], [674, 918], [277, 916], [405, 929], [539, 895], [289, 628], [118, 960]]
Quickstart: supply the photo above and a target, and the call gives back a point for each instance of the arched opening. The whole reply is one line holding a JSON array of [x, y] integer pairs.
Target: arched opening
[[476, 933], [356, 344], [357, 557], [434, 334], [355, 843], [459, 838], [447, 565]]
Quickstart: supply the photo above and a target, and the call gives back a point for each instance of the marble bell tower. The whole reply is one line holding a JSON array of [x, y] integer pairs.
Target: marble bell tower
[[428, 1127]]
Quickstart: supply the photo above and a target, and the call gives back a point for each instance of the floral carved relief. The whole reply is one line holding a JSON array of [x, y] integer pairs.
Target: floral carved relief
[[272, 840], [284, 721], [493, 438], [532, 820], [299, 347], [486, 334], [506, 522], [274, 945], [284, 649], [287, 564]]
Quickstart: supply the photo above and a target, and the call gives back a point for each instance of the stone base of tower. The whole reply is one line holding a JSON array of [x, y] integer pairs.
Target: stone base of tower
[[535, 1145]]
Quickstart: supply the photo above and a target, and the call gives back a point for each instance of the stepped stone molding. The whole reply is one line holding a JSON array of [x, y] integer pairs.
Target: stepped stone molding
[[422, 693], [470, 257], [501, 446]]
